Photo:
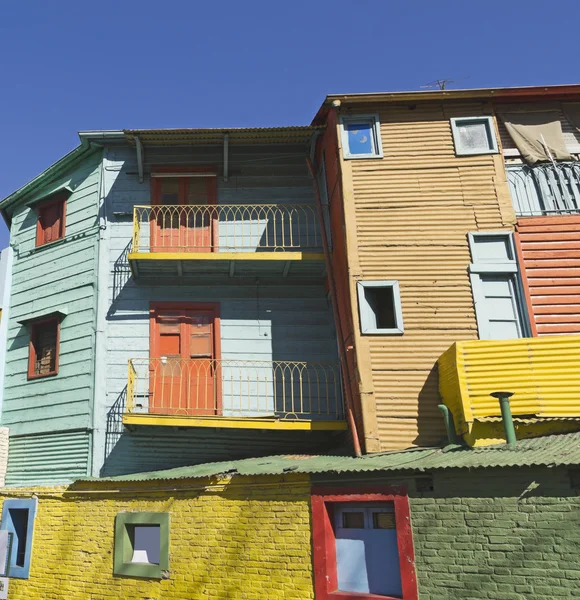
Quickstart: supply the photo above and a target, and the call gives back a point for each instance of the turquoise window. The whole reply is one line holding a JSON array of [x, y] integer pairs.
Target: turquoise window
[[18, 519]]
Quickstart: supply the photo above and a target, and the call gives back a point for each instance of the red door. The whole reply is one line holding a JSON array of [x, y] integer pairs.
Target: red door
[[189, 219], [183, 367]]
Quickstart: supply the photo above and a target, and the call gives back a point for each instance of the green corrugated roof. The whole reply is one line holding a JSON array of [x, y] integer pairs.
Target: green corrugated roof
[[550, 451]]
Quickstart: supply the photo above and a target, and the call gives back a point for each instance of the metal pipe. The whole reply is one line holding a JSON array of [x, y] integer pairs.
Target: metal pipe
[[139, 149], [506, 416], [332, 285], [449, 424]]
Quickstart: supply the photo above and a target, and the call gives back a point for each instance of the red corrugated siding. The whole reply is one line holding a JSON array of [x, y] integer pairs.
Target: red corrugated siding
[[550, 252]]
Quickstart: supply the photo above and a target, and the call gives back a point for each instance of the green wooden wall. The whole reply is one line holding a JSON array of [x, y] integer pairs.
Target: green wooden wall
[[58, 276]]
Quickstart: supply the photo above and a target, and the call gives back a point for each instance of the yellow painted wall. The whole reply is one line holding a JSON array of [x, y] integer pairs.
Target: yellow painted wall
[[239, 541], [412, 211]]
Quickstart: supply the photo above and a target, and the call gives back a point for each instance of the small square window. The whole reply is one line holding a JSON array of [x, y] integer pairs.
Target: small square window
[[380, 307], [353, 520], [18, 519], [473, 135], [51, 221], [361, 136], [141, 545], [44, 348]]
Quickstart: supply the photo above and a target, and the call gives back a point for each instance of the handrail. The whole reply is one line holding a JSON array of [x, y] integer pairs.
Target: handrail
[[545, 189], [225, 228], [232, 387]]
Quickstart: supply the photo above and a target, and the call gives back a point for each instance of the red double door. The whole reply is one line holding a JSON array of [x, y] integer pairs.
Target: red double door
[[183, 217], [184, 365]]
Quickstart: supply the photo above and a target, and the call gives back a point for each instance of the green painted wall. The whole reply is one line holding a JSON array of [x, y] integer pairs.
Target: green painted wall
[[494, 534], [56, 276]]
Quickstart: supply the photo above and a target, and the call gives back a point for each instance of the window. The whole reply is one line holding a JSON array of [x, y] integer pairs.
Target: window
[[363, 544], [18, 519], [497, 290], [141, 544], [51, 221], [361, 136], [473, 135], [380, 307], [44, 348]]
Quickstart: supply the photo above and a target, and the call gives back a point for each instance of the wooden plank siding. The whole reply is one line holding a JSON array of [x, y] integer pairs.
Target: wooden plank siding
[[550, 263], [412, 212], [57, 276], [260, 320]]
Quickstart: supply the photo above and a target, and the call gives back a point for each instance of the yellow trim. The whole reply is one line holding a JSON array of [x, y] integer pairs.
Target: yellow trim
[[281, 256], [233, 422]]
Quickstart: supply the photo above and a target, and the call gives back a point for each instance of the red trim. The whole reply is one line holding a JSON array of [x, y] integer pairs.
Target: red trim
[[324, 546], [41, 227], [32, 347], [214, 308]]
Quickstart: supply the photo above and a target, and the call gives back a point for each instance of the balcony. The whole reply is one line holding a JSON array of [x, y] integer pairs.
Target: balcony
[[543, 373], [226, 240], [234, 394], [544, 190]]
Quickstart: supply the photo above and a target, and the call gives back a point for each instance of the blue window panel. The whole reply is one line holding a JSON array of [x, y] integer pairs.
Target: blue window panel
[[360, 138], [367, 558], [18, 518]]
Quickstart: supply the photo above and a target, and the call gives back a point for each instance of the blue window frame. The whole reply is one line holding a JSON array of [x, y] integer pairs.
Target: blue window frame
[[18, 518], [361, 136]]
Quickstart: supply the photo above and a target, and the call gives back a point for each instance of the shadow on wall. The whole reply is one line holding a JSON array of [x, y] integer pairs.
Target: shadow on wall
[[430, 423]]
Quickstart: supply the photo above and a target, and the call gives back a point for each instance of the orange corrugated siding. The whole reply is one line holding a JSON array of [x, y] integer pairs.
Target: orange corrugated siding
[[413, 210], [550, 252]]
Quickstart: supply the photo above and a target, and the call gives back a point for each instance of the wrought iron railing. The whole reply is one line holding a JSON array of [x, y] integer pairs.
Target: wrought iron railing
[[547, 189], [226, 228], [234, 388]]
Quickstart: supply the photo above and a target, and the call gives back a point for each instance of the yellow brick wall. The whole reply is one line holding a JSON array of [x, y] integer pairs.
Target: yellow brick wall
[[229, 541]]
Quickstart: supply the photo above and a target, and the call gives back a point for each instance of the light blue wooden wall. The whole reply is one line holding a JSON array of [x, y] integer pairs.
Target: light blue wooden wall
[[54, 277], [259, 321]]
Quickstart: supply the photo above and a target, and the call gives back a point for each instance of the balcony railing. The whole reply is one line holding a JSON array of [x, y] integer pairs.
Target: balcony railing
[[226, 228], [547, 189], [234, 388]]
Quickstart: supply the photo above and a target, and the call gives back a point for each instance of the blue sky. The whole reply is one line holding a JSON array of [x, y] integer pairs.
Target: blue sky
[[72, 65]]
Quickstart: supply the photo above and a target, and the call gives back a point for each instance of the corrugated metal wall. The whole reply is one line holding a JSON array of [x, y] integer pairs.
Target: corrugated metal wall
[[55, 458], [550, 253], [414, 209]]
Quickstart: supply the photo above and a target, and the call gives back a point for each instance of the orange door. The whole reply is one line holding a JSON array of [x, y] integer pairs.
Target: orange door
[[198, 222], [166, 215], [183, 214], [183, 363]]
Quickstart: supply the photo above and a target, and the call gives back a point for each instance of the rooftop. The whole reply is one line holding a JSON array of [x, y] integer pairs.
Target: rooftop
[[548, 451]]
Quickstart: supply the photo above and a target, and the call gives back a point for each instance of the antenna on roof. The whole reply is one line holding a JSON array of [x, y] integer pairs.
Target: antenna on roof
[[441, 83]]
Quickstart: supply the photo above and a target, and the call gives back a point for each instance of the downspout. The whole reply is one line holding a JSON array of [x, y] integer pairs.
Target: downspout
[[506, 416], [332, 286], [449, 424]]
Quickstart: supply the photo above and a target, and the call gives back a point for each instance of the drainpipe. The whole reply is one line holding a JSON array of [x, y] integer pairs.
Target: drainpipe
[[506, 416], [449, 424], [332, 286]]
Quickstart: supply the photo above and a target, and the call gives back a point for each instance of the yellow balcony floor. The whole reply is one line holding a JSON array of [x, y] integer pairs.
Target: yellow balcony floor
[[227, 264], [234, 422]]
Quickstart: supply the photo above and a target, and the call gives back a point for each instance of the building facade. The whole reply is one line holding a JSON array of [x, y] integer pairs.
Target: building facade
[[354, 317]]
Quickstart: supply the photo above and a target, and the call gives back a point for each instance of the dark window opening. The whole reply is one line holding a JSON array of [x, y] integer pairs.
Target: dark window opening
[[382, 302], [353, 520], [19, 517], [424, 484], [44, 342]]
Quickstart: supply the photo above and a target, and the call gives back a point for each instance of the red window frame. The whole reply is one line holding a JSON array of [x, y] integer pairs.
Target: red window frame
[[33, 328], [324, 542], [61, 222]]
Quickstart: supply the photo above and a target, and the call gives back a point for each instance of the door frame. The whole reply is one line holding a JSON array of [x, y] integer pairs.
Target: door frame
[[214, 308], [211, 170]]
